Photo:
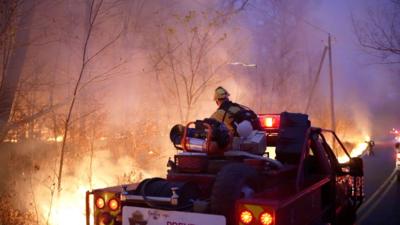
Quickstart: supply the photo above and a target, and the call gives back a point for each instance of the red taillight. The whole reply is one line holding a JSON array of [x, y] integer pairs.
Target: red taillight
[[266, 218], [246, 217], [269, 121], [100, 202], [113, 204]]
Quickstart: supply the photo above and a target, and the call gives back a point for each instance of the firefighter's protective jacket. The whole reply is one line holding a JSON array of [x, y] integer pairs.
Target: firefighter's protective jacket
[[230, 113], [225, 113]]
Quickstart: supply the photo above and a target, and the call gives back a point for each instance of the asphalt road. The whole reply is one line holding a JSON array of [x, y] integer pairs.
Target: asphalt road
[[384, 206]]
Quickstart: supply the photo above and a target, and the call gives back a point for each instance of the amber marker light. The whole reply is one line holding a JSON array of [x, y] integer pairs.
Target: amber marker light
[[246, 217], [113, 204], [100, 203], [266, 218]]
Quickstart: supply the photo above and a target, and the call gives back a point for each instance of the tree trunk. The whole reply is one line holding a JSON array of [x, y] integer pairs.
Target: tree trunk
[[14, 66]]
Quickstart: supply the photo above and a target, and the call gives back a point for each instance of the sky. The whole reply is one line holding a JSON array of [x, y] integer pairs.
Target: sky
[[358, 78], [350, 61]]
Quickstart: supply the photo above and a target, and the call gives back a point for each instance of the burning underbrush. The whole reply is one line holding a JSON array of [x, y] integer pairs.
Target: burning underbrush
[[355, 144], [352, 126], [28, 191], [9, 214], [70, 201]]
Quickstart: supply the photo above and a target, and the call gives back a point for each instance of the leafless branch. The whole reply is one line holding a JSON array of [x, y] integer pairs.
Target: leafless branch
[[380, 32], [106, 46], [103, 75]]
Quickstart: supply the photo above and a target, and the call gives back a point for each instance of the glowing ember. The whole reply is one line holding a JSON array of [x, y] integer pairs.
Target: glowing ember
[[57, 139], [11, 140]]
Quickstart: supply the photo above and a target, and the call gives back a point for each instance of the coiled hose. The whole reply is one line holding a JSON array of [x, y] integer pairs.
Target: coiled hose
[[152, 204]]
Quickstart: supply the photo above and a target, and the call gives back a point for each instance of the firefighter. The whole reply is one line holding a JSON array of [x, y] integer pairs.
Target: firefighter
[[370, 147], [231, 113]]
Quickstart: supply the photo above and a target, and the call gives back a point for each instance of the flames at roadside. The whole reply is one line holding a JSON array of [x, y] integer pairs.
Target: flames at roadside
[[68, 206], [357, 151], [360, 148]]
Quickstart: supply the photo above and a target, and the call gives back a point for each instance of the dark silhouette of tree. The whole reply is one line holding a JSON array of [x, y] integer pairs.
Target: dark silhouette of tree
[[14, 36], [379, 32]]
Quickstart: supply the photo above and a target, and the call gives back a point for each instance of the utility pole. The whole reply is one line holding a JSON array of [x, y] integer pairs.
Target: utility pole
[[333, 123]]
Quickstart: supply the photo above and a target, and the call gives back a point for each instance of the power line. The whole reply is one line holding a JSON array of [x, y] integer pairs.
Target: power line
[[316, 79]]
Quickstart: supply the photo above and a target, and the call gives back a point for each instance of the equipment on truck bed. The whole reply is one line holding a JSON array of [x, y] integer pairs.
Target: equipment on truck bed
[[207, 135], [222, 180]]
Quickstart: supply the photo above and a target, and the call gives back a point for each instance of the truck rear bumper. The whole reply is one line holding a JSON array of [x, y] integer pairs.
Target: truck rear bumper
[[146, 216]]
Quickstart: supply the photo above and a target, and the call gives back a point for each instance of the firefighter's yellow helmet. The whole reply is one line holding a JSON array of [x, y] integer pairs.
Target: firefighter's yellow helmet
[[220, 93]]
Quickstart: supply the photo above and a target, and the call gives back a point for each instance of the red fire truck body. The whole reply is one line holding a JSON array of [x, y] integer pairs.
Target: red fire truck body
[[304, 185]]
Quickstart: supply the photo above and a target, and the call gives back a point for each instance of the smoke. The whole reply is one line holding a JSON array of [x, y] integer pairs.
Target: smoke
[[138, 88]]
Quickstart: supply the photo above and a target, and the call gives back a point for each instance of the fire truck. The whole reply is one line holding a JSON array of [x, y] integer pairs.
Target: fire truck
[[284, 174]]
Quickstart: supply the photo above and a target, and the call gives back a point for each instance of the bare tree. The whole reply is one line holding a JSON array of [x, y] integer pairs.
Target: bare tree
[[182, 57], [14, 35], [379, 32], [95, 10], [8, 14]]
